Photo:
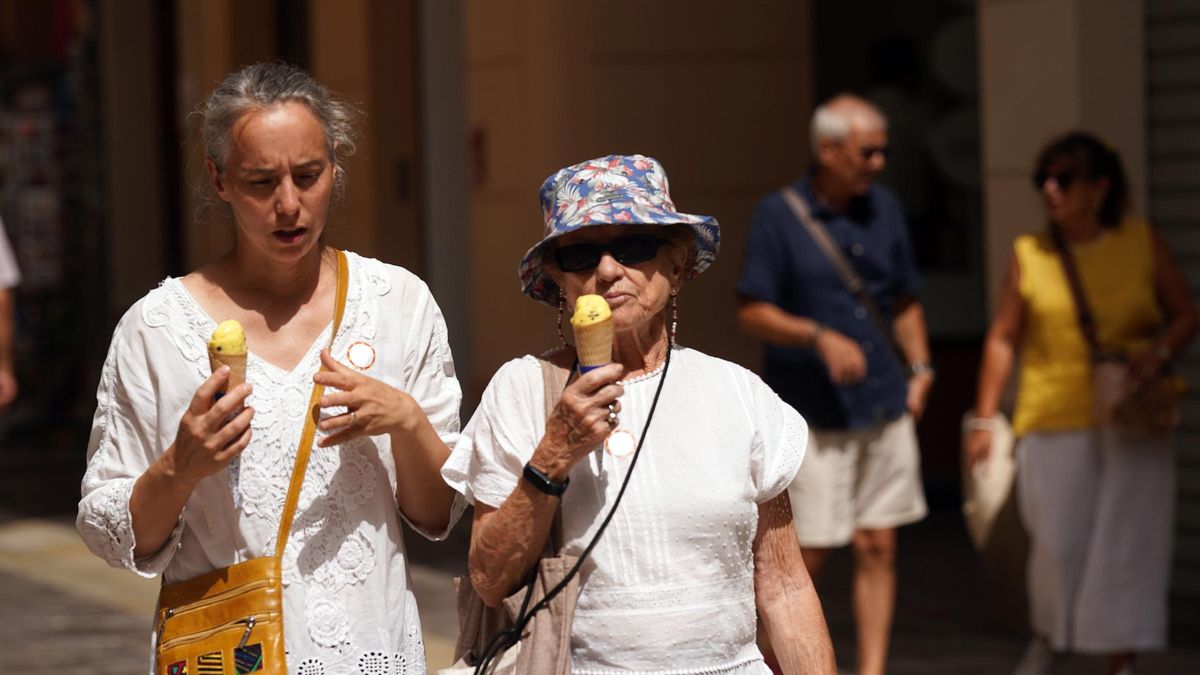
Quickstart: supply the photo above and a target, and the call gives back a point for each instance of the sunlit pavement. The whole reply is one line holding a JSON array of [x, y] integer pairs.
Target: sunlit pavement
[[64, 610]]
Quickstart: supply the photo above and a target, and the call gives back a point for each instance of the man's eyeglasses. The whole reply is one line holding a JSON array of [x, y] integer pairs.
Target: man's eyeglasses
[[635, 248], [1063, 179], [868, 152]]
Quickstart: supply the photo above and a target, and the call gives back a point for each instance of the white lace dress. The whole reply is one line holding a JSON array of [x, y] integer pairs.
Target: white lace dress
[[347, 601], [670, 586]]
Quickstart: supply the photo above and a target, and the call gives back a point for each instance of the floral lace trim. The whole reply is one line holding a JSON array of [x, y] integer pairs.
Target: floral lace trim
[[410, 660]]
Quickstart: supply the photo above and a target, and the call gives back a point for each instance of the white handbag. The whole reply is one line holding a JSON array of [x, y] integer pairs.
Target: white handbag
[[987, 485]]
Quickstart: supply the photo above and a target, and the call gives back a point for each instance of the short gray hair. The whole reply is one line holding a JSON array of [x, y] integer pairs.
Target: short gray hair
[[262, 85], [833, 119]]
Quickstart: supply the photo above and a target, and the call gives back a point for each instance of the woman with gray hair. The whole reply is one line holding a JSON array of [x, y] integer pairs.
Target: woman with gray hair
[[181, 482]]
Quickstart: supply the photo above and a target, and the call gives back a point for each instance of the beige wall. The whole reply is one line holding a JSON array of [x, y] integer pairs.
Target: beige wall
[[1047, 66], [135, 187], [718, 92]]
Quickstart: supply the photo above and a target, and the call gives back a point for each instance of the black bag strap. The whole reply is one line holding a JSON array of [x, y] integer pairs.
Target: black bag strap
[[854, 283]]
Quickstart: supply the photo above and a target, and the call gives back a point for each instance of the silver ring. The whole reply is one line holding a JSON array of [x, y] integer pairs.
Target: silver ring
[[612, 414], [353, 417]]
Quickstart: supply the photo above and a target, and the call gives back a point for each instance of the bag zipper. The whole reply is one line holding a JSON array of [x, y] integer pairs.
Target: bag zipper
[[205, 602], [250, 622]]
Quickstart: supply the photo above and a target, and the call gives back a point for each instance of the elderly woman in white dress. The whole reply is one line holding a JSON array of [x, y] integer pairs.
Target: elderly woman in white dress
[[703, 539], [179, 485]]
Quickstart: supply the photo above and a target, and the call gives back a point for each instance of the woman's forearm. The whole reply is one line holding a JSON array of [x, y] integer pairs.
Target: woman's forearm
[[785, 596], [155, 505], [998, 357], [422, 495], [507, 541]]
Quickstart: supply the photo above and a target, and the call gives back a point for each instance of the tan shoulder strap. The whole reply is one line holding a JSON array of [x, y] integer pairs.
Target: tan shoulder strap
[[310, 420], [554, 380], [853, 282]]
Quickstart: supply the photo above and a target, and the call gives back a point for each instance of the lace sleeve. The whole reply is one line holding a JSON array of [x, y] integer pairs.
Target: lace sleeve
[[780, 440], [122, 445], [431, 381]]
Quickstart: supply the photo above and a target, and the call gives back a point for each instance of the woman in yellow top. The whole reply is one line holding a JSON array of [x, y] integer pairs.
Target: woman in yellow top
[[1098, 503]]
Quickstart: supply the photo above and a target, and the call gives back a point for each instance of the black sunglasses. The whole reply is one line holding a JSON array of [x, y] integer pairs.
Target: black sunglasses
[[1063, 179], [635, 248]]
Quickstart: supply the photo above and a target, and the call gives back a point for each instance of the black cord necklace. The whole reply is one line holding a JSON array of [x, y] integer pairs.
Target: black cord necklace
[[508, 637]]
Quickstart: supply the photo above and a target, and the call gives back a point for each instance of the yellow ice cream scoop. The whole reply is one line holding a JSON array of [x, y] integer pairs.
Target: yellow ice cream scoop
[[228, 338], [592, 324], [590, 309]]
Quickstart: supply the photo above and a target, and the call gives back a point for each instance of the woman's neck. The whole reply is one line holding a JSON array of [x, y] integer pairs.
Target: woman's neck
[[1081, 231], [641, 351], [272, 279]]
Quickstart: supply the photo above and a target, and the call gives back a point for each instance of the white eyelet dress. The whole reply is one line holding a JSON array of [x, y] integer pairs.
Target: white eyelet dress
[[348, 609]]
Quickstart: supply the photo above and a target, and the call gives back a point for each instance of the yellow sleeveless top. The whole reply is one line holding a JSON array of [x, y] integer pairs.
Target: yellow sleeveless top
[[1117, 273]]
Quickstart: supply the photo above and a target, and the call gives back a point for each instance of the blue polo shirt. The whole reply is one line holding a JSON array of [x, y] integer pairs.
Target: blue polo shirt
[[785, 267]]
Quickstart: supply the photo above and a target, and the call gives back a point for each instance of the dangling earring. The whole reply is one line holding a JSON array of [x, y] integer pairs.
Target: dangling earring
[[562, 309], [674, 316]]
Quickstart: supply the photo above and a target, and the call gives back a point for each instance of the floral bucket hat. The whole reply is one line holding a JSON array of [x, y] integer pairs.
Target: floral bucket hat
[[612, 190]]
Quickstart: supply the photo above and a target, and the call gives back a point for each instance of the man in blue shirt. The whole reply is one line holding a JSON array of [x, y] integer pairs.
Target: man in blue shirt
[[826, 357]]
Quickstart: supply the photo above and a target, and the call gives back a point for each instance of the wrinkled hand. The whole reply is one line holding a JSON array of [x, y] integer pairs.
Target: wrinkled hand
[[842, 356], [8, 386], [372, 407], [579, 422], [918, 393], [977, 447], [1142, 368], [210, 433]]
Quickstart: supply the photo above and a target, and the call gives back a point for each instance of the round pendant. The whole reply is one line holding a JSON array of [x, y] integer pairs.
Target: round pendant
[[620, 443], [361, 355]]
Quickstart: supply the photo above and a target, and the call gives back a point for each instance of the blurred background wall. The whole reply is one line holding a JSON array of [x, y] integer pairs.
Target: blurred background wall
[[469, 104]]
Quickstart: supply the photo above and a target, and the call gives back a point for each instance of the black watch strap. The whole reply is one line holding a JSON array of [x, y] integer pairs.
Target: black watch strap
[[543, 482]]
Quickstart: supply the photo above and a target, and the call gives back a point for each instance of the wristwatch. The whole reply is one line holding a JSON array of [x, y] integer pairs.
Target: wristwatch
[[921, 368], [543, 482]]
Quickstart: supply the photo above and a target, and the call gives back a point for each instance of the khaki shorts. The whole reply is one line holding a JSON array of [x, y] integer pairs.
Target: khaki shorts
[[865, 479]]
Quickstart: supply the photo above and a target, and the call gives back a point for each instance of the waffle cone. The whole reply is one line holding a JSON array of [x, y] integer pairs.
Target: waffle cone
[[593, 343], [237, 368]]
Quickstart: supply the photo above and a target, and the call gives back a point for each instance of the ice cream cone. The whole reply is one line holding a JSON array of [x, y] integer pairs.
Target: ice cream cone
[[237, 368], [592, 323], [227, 347], [593, 344]]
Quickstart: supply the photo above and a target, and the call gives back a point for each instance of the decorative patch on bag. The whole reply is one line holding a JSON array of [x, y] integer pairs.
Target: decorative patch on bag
[[179, 668], [248, 659], [212, 663]]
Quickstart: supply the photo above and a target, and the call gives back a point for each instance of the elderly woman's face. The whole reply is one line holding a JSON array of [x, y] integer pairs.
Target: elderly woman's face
[[636, 291], [278, 180]]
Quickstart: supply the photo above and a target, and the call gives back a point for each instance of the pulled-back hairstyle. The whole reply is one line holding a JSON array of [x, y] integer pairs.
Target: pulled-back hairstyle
[[1095, 160], [262, 85]]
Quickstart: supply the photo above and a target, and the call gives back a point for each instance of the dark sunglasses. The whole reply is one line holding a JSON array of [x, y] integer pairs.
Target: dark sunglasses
[[1063, 179], [636, 248]]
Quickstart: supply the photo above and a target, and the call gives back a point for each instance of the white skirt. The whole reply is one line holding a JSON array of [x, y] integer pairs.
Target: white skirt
[[1099, 506]]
